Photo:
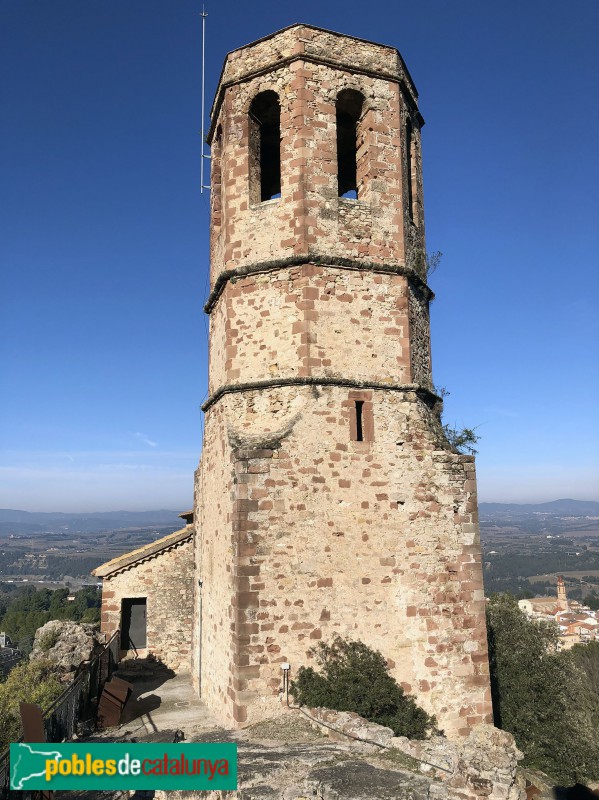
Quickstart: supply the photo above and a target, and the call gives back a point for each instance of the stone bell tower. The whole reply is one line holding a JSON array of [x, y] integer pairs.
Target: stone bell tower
[[327, 499], [562, 597]]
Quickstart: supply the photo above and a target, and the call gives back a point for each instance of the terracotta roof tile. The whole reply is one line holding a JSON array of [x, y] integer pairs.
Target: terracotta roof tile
[[151, 549]]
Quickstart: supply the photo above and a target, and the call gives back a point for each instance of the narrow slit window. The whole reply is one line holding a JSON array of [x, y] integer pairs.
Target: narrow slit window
[[359, 410], [265, 147], [361, 420], [349, 111]]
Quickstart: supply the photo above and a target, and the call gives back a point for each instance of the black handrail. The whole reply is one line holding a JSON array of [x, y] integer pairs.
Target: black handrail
[[77, 702]]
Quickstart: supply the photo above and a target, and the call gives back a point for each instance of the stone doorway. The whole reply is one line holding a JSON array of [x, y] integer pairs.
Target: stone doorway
[[134, 623]]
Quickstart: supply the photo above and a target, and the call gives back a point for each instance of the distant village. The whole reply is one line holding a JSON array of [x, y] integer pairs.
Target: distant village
[[577, 623]]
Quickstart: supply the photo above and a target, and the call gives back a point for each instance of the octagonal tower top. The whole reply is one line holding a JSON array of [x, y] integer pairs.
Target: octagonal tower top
[[311, 43], [315, 141]]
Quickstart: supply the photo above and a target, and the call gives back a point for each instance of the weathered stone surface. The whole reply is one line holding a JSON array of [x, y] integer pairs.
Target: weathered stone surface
[[308, 524], [307, 772], [66, 645], [358, 780], [482, 765], [331, 772], [341, 725]]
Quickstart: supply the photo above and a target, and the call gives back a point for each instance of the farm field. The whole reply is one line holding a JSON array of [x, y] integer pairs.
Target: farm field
[[574, 574]]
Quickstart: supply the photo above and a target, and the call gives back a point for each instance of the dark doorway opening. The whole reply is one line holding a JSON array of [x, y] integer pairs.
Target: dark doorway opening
[[133, 623]]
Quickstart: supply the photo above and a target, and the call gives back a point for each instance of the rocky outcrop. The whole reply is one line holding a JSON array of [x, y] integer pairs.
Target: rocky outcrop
[[343, 725], [321, 771], [480, 765], [487, 765], [66, 645]]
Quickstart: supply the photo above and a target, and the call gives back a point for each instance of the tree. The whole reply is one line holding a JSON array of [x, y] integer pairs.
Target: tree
[[29, 609], [21, 625], [538, 694], [592, 601], [356, 678], [91, 615], [585, 657], [31, 682], [58, 601]]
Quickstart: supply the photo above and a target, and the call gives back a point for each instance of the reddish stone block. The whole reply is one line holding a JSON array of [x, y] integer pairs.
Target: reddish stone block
[[324, 582]]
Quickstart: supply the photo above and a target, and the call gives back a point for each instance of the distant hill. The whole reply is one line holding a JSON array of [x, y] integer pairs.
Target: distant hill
[[15, 521], [126, 519], [32, 522], [566, 507]]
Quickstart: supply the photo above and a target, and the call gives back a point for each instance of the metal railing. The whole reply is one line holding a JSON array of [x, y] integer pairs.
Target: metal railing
[[9, 658], [77, 703]]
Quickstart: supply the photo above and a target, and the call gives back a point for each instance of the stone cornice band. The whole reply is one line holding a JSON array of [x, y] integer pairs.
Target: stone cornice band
[[407, 91], [316, 260], [428, 396]]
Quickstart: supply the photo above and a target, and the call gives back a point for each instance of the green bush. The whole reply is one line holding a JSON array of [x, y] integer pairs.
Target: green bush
[[48, 639], [461, 439], [541, 696], [91, 615], [31, 682], [355, 678]]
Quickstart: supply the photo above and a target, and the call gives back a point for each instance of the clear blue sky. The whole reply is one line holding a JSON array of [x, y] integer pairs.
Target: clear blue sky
[[104, 249]]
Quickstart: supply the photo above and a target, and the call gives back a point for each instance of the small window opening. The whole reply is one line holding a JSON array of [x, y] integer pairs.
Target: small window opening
[[265, 147], [361, 423], [409, 166], [359, 432], [349, 111]]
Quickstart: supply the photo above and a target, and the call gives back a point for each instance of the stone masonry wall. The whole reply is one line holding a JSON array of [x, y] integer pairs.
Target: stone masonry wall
[[309, 218], [373, 540], [165, 579], [420, 350], [306, 40], [315, 321], [213, 656], [319, 322]]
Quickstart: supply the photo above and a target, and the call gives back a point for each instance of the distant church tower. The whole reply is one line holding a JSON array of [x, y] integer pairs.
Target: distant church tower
[[328, 501], [562, 598]]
